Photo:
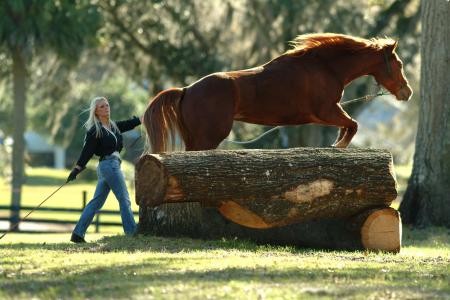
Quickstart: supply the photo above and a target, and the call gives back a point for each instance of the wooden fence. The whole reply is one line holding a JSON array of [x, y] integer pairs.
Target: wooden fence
[[97, 221]]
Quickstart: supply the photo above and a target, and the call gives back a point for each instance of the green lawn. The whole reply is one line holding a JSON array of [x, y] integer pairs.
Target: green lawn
[[147, 267], [46, 266]]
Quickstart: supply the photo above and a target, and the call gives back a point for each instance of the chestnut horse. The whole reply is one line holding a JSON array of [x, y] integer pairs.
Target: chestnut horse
[[303, 85]]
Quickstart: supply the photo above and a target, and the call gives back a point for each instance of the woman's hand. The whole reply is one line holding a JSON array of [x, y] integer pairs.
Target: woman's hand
[[73, 174]]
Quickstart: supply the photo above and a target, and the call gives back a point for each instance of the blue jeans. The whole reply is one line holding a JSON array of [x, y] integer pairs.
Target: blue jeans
[[110, 177]]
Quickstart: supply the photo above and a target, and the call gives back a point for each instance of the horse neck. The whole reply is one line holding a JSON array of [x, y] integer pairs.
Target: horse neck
[[351, 66]]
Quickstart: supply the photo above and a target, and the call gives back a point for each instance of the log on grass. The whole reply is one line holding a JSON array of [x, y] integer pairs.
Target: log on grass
[[377, 229], [270, 188]]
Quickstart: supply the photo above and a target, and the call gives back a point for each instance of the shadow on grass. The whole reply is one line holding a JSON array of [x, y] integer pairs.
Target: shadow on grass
[[184, 272], [121, 243], [431, 237], [171, 273]]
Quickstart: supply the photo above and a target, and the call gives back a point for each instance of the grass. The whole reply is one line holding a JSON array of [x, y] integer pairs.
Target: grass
[[148, 267], [46, 266]]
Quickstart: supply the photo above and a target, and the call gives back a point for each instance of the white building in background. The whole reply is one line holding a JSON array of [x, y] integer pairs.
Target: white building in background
[[36, 144]]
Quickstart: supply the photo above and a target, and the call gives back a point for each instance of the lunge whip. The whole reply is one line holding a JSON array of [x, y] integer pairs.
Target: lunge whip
[[17, 224]]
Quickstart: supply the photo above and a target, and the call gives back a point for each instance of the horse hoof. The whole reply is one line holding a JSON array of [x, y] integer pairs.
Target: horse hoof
[[339, 146]]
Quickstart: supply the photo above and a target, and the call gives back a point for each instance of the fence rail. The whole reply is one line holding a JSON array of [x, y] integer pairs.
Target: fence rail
[[96, 222]]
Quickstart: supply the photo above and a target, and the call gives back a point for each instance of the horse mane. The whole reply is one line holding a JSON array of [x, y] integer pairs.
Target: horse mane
[[319, 43]]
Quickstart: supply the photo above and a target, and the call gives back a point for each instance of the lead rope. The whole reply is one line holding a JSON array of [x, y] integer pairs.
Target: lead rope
[[366, 98], [23, 219]]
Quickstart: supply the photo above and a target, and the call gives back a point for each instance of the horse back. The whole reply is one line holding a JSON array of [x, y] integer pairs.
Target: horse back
[[287, 90]]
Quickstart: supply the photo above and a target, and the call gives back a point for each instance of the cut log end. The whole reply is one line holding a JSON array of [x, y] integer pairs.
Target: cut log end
[[152, 184], [382, 231], [242, 216]]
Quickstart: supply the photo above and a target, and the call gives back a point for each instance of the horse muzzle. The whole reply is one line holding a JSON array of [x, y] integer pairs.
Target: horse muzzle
[[404, 93]]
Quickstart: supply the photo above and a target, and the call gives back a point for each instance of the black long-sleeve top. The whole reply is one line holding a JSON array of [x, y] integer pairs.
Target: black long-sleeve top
[[106, 143]]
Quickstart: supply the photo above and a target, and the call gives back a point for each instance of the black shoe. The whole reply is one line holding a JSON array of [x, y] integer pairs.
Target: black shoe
[[75, 238]]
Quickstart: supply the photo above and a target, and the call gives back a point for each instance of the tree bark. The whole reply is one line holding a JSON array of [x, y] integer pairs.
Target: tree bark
[[19, 82], [270, 188], [376, 229], [426, 200]]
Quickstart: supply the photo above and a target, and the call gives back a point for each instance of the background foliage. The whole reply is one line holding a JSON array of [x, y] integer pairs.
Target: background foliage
[[142, 47]]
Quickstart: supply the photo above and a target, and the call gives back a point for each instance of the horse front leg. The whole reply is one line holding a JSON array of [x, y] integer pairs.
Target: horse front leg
[[350, 131], [340, 136], [336, 116]]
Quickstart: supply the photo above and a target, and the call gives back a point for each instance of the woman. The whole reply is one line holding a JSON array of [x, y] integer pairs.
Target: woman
[[104, 139]]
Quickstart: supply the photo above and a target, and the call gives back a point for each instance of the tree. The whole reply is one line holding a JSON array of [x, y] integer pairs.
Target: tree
[[50, 112], [426, 200], [27, 27], [160, 42]]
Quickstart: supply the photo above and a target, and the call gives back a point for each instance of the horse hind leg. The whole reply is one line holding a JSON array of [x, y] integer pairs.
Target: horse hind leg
[[202, 139], [199, 142], [208, 112], [208, 133]]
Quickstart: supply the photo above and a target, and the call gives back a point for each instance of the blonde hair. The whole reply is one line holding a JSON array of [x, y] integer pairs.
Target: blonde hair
[[94, 121]]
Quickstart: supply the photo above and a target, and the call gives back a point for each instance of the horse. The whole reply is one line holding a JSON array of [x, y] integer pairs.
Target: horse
[[303, 85]]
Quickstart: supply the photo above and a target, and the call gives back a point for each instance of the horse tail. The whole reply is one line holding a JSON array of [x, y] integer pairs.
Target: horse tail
[[162, 120]]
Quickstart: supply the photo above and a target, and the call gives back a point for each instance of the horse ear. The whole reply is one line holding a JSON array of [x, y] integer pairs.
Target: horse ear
[[392, 46]]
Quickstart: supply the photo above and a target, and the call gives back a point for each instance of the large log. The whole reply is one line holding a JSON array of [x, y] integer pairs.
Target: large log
[[270, 188], [378, 229]]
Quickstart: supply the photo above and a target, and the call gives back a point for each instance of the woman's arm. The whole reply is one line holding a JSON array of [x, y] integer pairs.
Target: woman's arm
[[128, 125], [90, 143]]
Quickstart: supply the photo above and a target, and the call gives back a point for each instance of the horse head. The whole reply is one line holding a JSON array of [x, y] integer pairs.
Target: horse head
[[390, 74]]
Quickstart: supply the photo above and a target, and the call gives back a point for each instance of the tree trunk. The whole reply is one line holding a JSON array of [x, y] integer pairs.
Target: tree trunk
[[172, 219], [426, 200], [270, 188], [375, 229], [19, 121]]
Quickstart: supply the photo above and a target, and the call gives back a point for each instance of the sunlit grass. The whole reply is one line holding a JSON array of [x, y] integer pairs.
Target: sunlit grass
[[46, 267]]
